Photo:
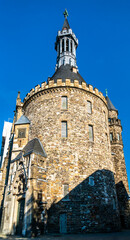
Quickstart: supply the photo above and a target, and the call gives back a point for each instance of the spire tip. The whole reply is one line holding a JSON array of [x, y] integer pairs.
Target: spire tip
[[66, 13]]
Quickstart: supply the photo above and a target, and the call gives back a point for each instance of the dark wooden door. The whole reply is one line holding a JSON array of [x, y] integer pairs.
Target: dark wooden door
[[63, 223], [20, 216]]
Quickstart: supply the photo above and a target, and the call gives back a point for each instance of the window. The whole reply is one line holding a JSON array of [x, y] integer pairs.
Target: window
[[71, 47], [91, 181], [66, 191], [22, 133], [0, 176], [62, 45], [64, 102], [90, 133], [114, 204], [39, 196], [111, 137], [67, 45], [64, 129], [118, 136], [89, 107], [109, 119]]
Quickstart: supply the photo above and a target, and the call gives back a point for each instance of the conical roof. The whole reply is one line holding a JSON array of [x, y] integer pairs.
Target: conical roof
[[110, 105], [22, 120], [66, 72], [66, 25]]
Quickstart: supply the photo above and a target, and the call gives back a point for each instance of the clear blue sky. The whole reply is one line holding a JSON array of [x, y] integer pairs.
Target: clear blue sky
[[28, 29]]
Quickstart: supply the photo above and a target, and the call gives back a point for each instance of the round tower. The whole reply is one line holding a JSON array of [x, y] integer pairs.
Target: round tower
[[71, 120]]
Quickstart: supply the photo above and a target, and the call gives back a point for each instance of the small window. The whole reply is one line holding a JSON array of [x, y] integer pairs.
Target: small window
[[91, 181], [22, 133], [111, 137], [118, 136], [71, 47], [114, 204], [40, 196], [0, 176], [67, 45], [91, 133], [109, 119], [64, 102], [62, 45], [64, 129], [66, 191], [89, 107]]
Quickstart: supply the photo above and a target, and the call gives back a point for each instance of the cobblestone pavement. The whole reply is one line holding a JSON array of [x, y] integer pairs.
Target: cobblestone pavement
[[124, 235]]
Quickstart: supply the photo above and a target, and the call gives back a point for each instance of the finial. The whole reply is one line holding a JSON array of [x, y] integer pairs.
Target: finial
[[66, 13], [106, 92]]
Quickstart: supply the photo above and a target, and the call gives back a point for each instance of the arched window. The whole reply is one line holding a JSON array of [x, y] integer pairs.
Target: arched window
[[62, 45], [67, 45]]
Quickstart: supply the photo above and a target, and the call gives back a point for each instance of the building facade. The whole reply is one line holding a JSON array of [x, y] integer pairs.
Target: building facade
[[67, 170]]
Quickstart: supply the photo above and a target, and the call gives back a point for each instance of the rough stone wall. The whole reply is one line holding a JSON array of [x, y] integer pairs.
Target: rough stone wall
[[73, 159]]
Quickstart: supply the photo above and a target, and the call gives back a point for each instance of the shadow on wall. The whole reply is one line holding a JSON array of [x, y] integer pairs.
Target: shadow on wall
[[92, 206], [124, 205]]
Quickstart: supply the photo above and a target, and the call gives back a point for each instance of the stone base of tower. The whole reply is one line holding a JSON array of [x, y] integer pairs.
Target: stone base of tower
[[88, 208]]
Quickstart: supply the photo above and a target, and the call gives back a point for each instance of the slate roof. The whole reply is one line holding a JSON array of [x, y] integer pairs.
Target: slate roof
[[65, 71], [110, 105], [22, 120], [66, 24], [33, 146]]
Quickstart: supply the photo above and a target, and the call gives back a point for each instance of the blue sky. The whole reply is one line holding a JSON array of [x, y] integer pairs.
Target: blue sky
[[28, 30]]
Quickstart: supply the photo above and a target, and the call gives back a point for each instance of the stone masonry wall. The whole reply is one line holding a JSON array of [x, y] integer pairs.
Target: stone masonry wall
[[73, 159]]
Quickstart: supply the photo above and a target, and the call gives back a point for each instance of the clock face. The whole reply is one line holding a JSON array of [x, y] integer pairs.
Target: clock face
[[22, 133]]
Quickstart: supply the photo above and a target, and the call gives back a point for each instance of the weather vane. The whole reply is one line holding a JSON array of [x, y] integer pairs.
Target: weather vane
[[66, 13], [106, 92]]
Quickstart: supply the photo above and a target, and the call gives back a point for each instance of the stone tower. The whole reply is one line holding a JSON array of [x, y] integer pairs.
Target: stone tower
[[120, 174], [64, 170]]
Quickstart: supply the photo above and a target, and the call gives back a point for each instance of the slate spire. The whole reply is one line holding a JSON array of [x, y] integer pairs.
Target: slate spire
[[109, 103]]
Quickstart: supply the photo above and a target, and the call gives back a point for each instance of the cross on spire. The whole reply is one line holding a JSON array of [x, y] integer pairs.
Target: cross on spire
[[66, 13]]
